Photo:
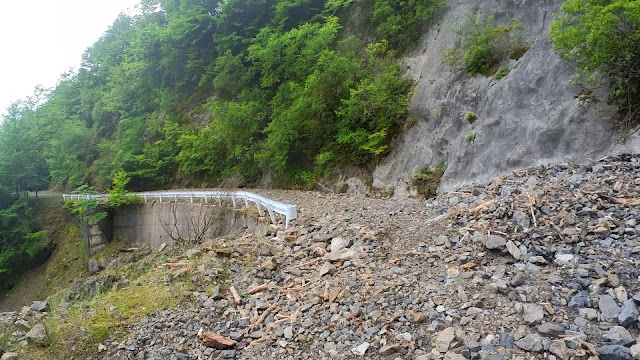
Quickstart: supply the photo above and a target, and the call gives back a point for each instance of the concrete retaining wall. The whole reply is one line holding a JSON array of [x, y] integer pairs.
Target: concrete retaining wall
[[157, 223]]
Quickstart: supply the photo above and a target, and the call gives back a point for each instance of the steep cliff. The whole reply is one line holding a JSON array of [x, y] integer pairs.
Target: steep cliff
[[531, 116]]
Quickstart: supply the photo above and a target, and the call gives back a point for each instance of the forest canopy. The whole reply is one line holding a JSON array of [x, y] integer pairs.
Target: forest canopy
[[193, 92]]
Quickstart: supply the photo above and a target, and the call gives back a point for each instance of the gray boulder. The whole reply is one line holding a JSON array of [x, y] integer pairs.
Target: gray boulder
[[38, 335]]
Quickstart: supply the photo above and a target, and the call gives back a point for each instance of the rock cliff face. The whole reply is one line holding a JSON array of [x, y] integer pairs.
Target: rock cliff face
[[530, 117]]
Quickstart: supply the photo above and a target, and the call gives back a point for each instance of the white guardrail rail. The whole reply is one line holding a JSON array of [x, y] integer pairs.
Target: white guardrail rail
[[273, 207]]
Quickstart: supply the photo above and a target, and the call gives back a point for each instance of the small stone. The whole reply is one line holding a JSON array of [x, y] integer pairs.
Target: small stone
[[614, 352], [531, 342], [533, 313], [628, 313], [507, 340], [521, 332], [550, 329], [216, 340], [619, 335], [621, 294], [228, 354], [559, 349], [389, 349], [361, 349], [450, 355], [404, 337], [269, 264], [614, 280], [608, 307], [326, 268], [94, 268], [514, 250], [564, 259], [579, 300], [589, 313], [634, 351], [288, 332], [39, 306], [538, 260], [9, 356], [38, 335], [337, 244], [521, 219], [444, 339], [495, 242], [440, 240]]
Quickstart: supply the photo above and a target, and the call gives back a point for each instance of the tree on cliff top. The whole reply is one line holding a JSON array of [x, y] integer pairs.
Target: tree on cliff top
[[603, 37]]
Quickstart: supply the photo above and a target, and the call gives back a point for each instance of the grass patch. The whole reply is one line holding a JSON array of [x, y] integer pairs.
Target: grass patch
[[501, 73], [427, 180]]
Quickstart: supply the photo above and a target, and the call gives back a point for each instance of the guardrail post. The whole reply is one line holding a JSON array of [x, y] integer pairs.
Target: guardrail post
[[219, 199], [175, 197], [273, 217], [191, 197], [160, 197], [145, 197], [258, 206], [233, 199], [205, 198]]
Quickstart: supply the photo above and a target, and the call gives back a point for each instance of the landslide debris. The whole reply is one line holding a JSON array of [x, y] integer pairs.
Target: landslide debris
[[540, 264]]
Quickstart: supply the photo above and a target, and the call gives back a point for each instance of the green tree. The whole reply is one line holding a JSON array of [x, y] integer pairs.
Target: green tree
[[603, 38]]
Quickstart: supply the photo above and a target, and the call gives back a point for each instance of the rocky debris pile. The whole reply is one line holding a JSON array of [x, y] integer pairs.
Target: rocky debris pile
[[541, 264], [23, 327]]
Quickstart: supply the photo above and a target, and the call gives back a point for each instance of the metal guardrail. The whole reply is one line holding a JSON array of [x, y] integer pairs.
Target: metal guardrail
[[273, 207]]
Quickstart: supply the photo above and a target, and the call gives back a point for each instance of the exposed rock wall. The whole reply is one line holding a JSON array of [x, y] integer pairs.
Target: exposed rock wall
[[530, 117]]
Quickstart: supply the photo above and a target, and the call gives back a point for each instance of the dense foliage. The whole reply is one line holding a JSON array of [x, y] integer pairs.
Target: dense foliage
[[197, 92], [484, 45], [21, 246], [603, 37], [193, 92]]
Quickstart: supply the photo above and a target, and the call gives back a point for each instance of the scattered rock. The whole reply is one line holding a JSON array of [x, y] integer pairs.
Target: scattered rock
[[38, 335], [608, 307], [619, 335], [614, 352], [531, 342], [495, 242], [288, 332], [9, 356], [444, 339], [327, 268], [269, 264], [628, 313], [514, 250], [634, 351], [560, 349], [216, 340], [361, 349], [533, 313], [550, 329], [40, 306], [94, 268]]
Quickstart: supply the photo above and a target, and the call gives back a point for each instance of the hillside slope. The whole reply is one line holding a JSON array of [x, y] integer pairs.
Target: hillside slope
[[531, 116]]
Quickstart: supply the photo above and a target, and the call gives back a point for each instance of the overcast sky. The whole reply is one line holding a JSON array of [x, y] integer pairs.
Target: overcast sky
[[41, 39]]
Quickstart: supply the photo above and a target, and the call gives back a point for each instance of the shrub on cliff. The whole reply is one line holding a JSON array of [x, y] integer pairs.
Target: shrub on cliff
[[603, 37], [483, 45]]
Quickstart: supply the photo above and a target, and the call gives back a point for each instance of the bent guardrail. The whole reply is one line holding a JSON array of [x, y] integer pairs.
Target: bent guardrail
[[273, 207]]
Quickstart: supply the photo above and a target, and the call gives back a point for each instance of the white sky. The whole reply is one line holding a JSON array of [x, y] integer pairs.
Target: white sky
[[41, 39]]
